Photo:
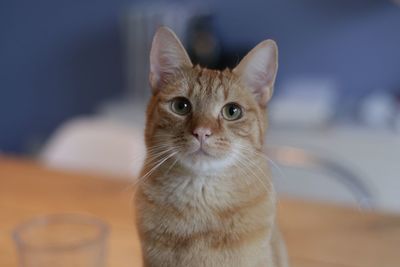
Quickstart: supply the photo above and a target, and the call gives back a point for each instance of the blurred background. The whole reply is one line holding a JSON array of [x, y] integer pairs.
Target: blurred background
[[73, 85]]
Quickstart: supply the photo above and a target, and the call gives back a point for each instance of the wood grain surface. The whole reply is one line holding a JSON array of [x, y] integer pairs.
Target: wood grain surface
[[317, 234]]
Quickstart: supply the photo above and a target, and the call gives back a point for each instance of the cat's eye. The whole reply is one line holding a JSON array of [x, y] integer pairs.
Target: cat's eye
[[181, 106], [231, 112]]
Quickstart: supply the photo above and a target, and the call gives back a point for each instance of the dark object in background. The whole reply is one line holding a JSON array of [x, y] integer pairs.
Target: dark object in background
[[202, 42], [205, 47], [229, 58]]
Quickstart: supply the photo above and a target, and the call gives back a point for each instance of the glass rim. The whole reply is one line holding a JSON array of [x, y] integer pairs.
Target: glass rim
[[75, 218]]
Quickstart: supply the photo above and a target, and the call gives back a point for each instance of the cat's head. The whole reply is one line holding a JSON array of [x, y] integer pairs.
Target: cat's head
[[207, 119]]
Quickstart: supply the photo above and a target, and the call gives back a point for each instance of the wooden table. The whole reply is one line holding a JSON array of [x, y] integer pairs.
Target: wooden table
[[317, 235]]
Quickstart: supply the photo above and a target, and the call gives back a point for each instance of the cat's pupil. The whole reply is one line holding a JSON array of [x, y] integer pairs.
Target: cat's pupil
[[182, 105], [232, 110]]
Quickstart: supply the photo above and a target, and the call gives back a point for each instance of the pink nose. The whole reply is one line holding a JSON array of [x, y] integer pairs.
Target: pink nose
[[202, 133]]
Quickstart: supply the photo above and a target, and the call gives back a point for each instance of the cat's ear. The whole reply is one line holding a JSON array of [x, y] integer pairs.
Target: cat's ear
[[257, 70], [167, 56]]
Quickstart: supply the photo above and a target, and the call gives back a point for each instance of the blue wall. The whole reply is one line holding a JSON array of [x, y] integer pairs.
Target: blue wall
[[61, 58], [354, 42], [57, 59]]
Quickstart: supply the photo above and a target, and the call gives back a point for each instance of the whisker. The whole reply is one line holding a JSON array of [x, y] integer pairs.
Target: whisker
[[159, 163], [143, 178], [172, 165], [153, 161], [244, 163], [248, 167], [262, 155], [273, 163], [249, 152]]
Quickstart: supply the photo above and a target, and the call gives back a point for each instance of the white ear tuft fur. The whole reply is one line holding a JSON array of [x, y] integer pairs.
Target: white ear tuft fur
[[167, 55], [257, 70]]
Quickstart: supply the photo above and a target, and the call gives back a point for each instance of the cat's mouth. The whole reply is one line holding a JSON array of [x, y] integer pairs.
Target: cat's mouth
[[200, 152], [206, 160]]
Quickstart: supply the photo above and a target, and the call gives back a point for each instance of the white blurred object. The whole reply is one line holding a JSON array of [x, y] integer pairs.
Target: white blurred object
[[372, 154], [304, 102], [125, 111], [397, 122], [300, 173], [378, 110], [96, 145]]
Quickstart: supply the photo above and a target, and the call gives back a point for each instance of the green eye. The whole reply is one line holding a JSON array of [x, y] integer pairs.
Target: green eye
[[181, 106], [231, 112]]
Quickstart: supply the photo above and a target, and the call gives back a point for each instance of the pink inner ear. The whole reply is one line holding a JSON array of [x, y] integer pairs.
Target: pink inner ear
[[258, 70], [162, 68], [154, 75], [260, 81], [159, 62]]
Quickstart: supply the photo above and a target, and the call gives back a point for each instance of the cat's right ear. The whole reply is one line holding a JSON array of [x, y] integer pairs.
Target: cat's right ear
[[167, 56]]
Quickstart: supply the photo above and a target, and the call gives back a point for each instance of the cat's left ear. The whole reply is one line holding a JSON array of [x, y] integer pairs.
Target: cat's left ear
[[257, 70]]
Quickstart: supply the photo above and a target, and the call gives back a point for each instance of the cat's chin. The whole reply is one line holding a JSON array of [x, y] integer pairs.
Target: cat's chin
[[201, 161]]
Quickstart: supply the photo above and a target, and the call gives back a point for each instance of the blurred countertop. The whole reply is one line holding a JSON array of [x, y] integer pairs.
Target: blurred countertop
[[316, 234]]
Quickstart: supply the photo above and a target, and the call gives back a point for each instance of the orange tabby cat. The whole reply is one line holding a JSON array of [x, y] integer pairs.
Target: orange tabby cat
[[205, 198]]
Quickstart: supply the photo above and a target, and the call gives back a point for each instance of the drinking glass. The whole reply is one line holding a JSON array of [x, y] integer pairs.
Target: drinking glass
[[61, 240]]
